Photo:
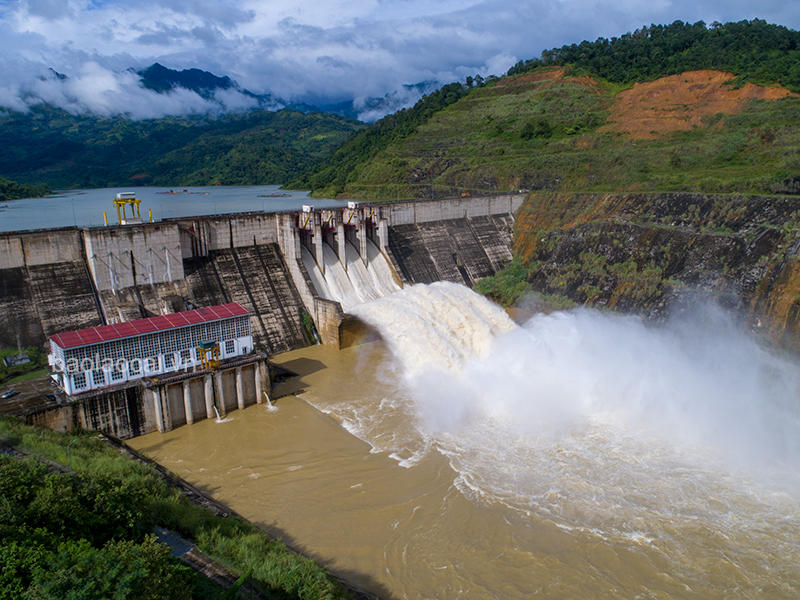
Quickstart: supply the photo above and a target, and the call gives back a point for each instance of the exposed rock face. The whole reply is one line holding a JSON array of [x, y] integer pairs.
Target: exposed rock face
[[681, 102], [649, 253]]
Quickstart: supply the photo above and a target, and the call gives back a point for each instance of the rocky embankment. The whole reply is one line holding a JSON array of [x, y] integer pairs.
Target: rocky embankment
[[656, 253]]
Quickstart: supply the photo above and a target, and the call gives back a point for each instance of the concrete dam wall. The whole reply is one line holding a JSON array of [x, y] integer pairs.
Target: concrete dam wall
[[64, 279], [45, 287], [58, 280]]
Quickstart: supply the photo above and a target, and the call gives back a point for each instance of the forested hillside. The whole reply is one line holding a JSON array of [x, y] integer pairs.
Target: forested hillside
[[61, 150], [754, 51], [11, 190], [560, 122], [334, 173]]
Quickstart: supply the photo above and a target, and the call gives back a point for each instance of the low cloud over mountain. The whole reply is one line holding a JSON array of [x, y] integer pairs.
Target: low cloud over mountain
[[316, 53]]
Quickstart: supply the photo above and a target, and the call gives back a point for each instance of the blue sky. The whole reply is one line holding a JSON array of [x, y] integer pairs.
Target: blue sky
[[305, 50]]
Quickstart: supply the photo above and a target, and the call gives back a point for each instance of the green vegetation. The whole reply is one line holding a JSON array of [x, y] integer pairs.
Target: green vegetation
[[11, 190], [507, 286], [36, 368], [531, 130], [337, 173], [754, 51], [499, 138], [87, 534], [260, 147]]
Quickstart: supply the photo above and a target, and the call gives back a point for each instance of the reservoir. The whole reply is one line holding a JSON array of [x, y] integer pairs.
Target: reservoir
[[576, 455], [84, 208]]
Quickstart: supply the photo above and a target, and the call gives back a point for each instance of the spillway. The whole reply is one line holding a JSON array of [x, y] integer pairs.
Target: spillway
[[355, 284]]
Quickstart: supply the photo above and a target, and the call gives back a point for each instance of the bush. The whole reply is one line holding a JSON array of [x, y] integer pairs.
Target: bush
[[507, 286]]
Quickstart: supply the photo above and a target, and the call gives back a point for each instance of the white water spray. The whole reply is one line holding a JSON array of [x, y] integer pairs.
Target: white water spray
[[270, 406], [220, 419], [594, 421], [355, 285]]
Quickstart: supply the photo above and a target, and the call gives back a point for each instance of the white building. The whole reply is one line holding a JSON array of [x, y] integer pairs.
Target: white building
[[97, 357]]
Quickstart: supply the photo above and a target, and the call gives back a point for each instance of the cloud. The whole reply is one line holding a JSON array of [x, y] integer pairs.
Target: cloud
[[313, 51]]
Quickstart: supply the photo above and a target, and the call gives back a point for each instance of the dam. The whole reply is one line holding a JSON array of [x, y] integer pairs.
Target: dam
[[461, 455], [282, 268]]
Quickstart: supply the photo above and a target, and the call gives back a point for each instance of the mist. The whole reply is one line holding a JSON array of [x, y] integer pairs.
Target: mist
[[700, 386]]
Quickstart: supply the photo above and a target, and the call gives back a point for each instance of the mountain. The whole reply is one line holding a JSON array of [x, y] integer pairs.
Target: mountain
[[160, 79], [50, 146], [554, 123]]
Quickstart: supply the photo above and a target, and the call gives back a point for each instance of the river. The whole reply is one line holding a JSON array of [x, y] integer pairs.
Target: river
[[578, 455], [85, 208]]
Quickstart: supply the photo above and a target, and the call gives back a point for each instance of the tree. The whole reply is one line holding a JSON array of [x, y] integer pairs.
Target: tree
[[119, 571]]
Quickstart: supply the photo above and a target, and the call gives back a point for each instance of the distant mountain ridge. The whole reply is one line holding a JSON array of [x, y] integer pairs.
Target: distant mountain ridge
[[48, 145], [161, 79]]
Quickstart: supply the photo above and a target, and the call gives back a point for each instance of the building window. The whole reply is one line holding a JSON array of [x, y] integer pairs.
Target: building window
[[116, 374], [169, 361], [134, 367], [152, 364], [186, 357], [230, 347], [98, 377], [79, 381]]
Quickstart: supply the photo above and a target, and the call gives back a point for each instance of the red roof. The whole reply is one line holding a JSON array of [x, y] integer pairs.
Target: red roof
[[107, 333]]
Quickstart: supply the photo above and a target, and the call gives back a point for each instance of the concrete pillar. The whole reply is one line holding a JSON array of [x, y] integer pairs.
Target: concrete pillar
[[166, 408], [223, 412], [187, 403], [258, 382], [209, 396], [362, 241], [383, 235], [319, 255], [156, 392], [340, 239], [239, 388]]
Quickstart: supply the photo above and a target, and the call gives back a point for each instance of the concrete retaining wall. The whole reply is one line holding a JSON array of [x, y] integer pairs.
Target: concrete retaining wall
[[41, 247], [457, 250], [124, 256], [406, 213], [200, 235], [138, 409], [41, 300]]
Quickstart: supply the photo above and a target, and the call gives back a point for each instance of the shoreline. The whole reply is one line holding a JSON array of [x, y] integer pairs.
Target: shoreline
[[203, 500]]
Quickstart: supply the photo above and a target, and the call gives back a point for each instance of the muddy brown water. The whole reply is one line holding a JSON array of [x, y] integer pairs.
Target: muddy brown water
[[403, 525]]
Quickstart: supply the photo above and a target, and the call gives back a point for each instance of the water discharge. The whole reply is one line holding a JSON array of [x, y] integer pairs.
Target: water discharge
[[579, 455], [357, 282]]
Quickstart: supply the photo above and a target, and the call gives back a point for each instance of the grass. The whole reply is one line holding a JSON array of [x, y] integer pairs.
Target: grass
[[33, 370], [28, 376]]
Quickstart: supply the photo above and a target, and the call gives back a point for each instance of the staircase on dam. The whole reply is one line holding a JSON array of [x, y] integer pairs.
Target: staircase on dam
[[140, 301]]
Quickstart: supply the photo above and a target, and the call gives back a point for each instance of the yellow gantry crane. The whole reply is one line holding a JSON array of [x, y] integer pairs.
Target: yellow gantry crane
[[209, 355]]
